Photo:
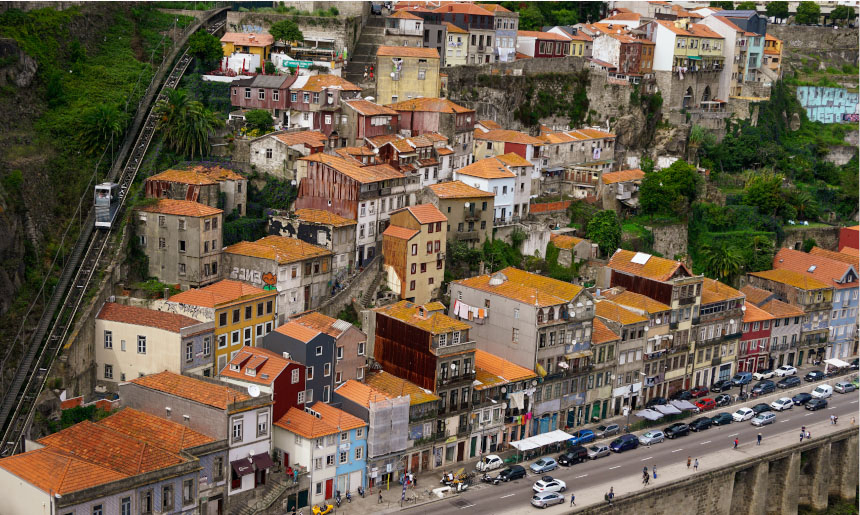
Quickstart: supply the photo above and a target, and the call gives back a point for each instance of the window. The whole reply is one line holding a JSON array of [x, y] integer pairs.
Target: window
[[361, 348], [262, 424], [218, 468], [329, 460], [316, 98], [237, 429], [261, 94], [276, 95], [309, 373], [359, 453], [300, 398], [411, 285], [342, 457], [97, 510], [141, 344], [145, 502], [125, 506], [359, 373], [187, 491], [108, 340], [167, 498], [293, 96], [189, 351], [248, 93], [108, 371], [294, 376], [162, 243], [326, 369], [326, 393], [306, 98]]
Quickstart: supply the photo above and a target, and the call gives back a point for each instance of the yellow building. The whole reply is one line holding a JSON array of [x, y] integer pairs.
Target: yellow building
[[457, 46], [404, 73], [772, 53], [414, 250], [247, 43], [243, 314]]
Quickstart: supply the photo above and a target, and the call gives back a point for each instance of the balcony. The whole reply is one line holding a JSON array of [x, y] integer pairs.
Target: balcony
[[472, 217], [686, 301], [673, 325], [454, 380], [467, 236], [695, 320], [732, 336], [456, 348]]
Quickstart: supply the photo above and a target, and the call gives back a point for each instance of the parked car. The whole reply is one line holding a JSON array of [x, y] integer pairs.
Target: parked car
[[781, 404], [582, 436], [763, 419], [816, 404], [605, 431], [511, 473], [700, 424], [743, 414], [699, 391], [598, 451], [761, 408], [721, 419], [815, 375], [706, 404], [788, 382], [681, 395], [623, 443], [855, 364], [766, 373], [544, 499], [822, 391], [656, 401], [763, 387], [833, 372], [677, 429], [723, 399], [722, 385], [844, 387], [786, 370], [801, 398], [549, 484], [490, 462], [742, 378], [544, 465], [575, 454], [652, 437]]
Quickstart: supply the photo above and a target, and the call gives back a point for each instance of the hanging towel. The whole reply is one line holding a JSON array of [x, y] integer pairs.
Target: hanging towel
[[474, 313]]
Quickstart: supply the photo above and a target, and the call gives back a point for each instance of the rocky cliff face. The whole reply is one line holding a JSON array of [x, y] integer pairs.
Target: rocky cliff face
[[16, 67]]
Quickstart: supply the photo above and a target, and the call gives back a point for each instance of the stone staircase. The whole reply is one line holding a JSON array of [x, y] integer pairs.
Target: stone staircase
[[364, 53], [369, 294], [273, 491]]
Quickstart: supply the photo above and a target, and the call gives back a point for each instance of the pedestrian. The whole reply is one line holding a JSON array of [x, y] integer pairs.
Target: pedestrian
[[802, 434], [414, 481], [736, 443], [645, 470], [853, 421], [611, 494], [831, 420], [758, 439], [689, 460], [380, 498], [808, 436], [572, 499], [654, 468], [606, 498], [645, 479], [696, 465]]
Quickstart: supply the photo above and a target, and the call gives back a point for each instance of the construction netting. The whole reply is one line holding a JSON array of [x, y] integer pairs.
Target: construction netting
[[389, 426]]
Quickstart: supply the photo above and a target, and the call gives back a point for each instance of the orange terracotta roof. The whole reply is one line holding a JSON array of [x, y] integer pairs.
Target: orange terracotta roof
[[623, 16], [450, 27], [434, 322], [703, 31], [671, 26], [580, 36], [490, 124], [501, 367], [404, 15], [341, 420], [56, 471], [508, 136], [494, 8], [638, 301], [217, 173], [551, 36], [612, 311], [407, 51], [317, 83], [394, 386], [192, 389], [457, 189], [563, 241], [402, 233], [488, 168], [427, 214], [321, 216], [754, 314], [168, 206], [594, 133], [444, 151], [520, 55], [360, 393], [792, 278], [484, 379], [771, 37], [755, 295], [657, 268], [513, 159], [278, 248], [266, 364], [305, 425], [307, 138], [182, 176], [601, 333], [168, 435], [817, 266], [846, 257], [463, 8], [535, 290], [298, 331], [430, 104], [146, 317], [715, 291], [368, 108], [248, 39], [362, 174], [780, 309], [622, 176], [224, 291], [323, 323]]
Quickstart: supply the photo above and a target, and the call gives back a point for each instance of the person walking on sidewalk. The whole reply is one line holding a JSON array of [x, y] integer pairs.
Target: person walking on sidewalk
[[736, 443], [645, 470], [696, 464], [611, 494], [802, 434], [689, 460], [572, 499], [654, 468], [758, 439], [808, 436], [380, 498]]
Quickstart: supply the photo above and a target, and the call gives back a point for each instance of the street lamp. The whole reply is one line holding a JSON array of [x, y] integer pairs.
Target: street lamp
[[630, 404]]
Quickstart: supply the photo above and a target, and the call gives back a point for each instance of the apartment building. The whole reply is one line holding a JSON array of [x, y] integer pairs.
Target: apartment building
[[754, 348], [469, 210], [272, 373], [350, 345], [405, 73], [413, 249], [623, 333], [213, 186], [718, 332], [312, 347], [276, 153], [315, 104], [440, 115], [480, 24], [321, 228]]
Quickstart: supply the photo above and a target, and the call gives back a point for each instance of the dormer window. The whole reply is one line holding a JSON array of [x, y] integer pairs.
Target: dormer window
[[234, 367], [455, 338], [250, 372]]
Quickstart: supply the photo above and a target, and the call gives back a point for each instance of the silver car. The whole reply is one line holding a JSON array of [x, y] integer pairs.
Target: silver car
[[843, 387], [544, 499], [598, 451], [652, 437]]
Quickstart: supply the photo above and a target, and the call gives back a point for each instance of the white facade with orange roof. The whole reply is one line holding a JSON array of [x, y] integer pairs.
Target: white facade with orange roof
[[493, 176]]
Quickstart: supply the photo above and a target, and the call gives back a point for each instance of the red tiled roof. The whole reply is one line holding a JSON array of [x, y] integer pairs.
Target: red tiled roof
[[463, 8], [368, 108], [168, 206], [779, 309], [551, 36], [308, 138], [146, 317], [398, 232], [318, 83], [623, 176], [56, 471], [298, 331], [850, 257], [182, 176], [168, 435], [192, 389], [457, 189], [405, 15], [427, 214], [267, 365], [407, 51], [813, 265], [526, 287], [507, 136], [224, 291], [487, 168], [602, 334], [755, 295], [755, 314], [657, 268], [321, 216], [435, 105], [792, 278], [362, 174], [248, 39], [360, 393], [326, 324], [501, 367]]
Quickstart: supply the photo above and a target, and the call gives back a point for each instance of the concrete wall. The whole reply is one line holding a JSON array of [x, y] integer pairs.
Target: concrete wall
[[841, 43], [825, 237], [344, 30], [354, 290]]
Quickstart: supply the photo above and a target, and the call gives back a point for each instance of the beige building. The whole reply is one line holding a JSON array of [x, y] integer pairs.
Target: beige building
[[457, 46], [413, 247], [469, 210], [406, 72], [182, 240], [619, 190], [572, 249], [213, 186], [323, 228]]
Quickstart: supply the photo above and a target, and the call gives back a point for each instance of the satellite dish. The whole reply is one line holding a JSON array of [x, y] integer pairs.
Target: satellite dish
[[504, 389], [254, 390]]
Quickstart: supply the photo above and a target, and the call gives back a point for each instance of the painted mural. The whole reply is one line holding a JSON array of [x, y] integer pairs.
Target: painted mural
[[829, 105]]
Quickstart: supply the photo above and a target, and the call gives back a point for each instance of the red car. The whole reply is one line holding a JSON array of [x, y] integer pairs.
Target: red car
[[699, 391], [706, 404]]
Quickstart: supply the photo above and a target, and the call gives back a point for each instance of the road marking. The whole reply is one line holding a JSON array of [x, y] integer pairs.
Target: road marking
[[580, 477], [832, 407], [467, 506], [785, 421], [646, 459], [703, 443], [853, 402], [615, 467], [808, 415], [509, 495], [678, 450], [735, 434]]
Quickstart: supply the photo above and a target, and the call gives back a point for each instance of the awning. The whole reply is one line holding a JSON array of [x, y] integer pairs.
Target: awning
[[537, 441], [242, 467], [667, 409], [838, 363], [262, 461], [694, 57], [683, 405], [649, 414], [579, 354]]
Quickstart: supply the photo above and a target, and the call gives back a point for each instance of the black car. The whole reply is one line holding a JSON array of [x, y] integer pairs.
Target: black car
[[722, 419], [676, 430], [512, 472], [576, 454], [681, 395], [815, 375], [788, 382], [721, 385], [723, 399], [855, 364], [656, 401], [801, 398], [763, 387], [761, 408], [816, 404], [700, 424]]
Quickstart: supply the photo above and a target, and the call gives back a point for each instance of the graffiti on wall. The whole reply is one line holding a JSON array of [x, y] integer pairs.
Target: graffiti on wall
[[828, 105]]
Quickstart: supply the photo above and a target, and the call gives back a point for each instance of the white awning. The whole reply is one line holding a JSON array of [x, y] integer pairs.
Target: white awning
[[649, 414], [683, 405], [537, 441], [838, 363], [667, 409]]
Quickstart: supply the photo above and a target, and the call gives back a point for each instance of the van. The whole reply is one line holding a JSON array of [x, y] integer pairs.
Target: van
[[742, 378], [822, 391]]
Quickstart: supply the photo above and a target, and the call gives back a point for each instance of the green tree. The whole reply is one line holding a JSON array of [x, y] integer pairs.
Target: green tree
[[531, 18], [808, 243], [723, 5], [778, 10], [270, 68], [804, 204], [764, 191], [259, 119], [699, 138], [722, 261], [205, 47], [101, 125], [670, 190], [185, 123], [842, 12], [286, 31], [605, 230], [807, 12], [566, 17], [745, 6]]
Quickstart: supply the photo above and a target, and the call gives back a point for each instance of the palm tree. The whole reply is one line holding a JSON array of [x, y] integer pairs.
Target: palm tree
[[101, 125], [186, 124], [805, 205], [723, 262]]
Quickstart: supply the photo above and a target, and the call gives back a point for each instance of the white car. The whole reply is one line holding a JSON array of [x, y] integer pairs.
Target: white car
[[490, 462], [549, 484], [781, 404], [786, 370], [743, 414], [763, 374]]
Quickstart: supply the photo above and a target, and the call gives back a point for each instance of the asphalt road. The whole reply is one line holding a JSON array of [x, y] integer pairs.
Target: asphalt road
[[601, 473]]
